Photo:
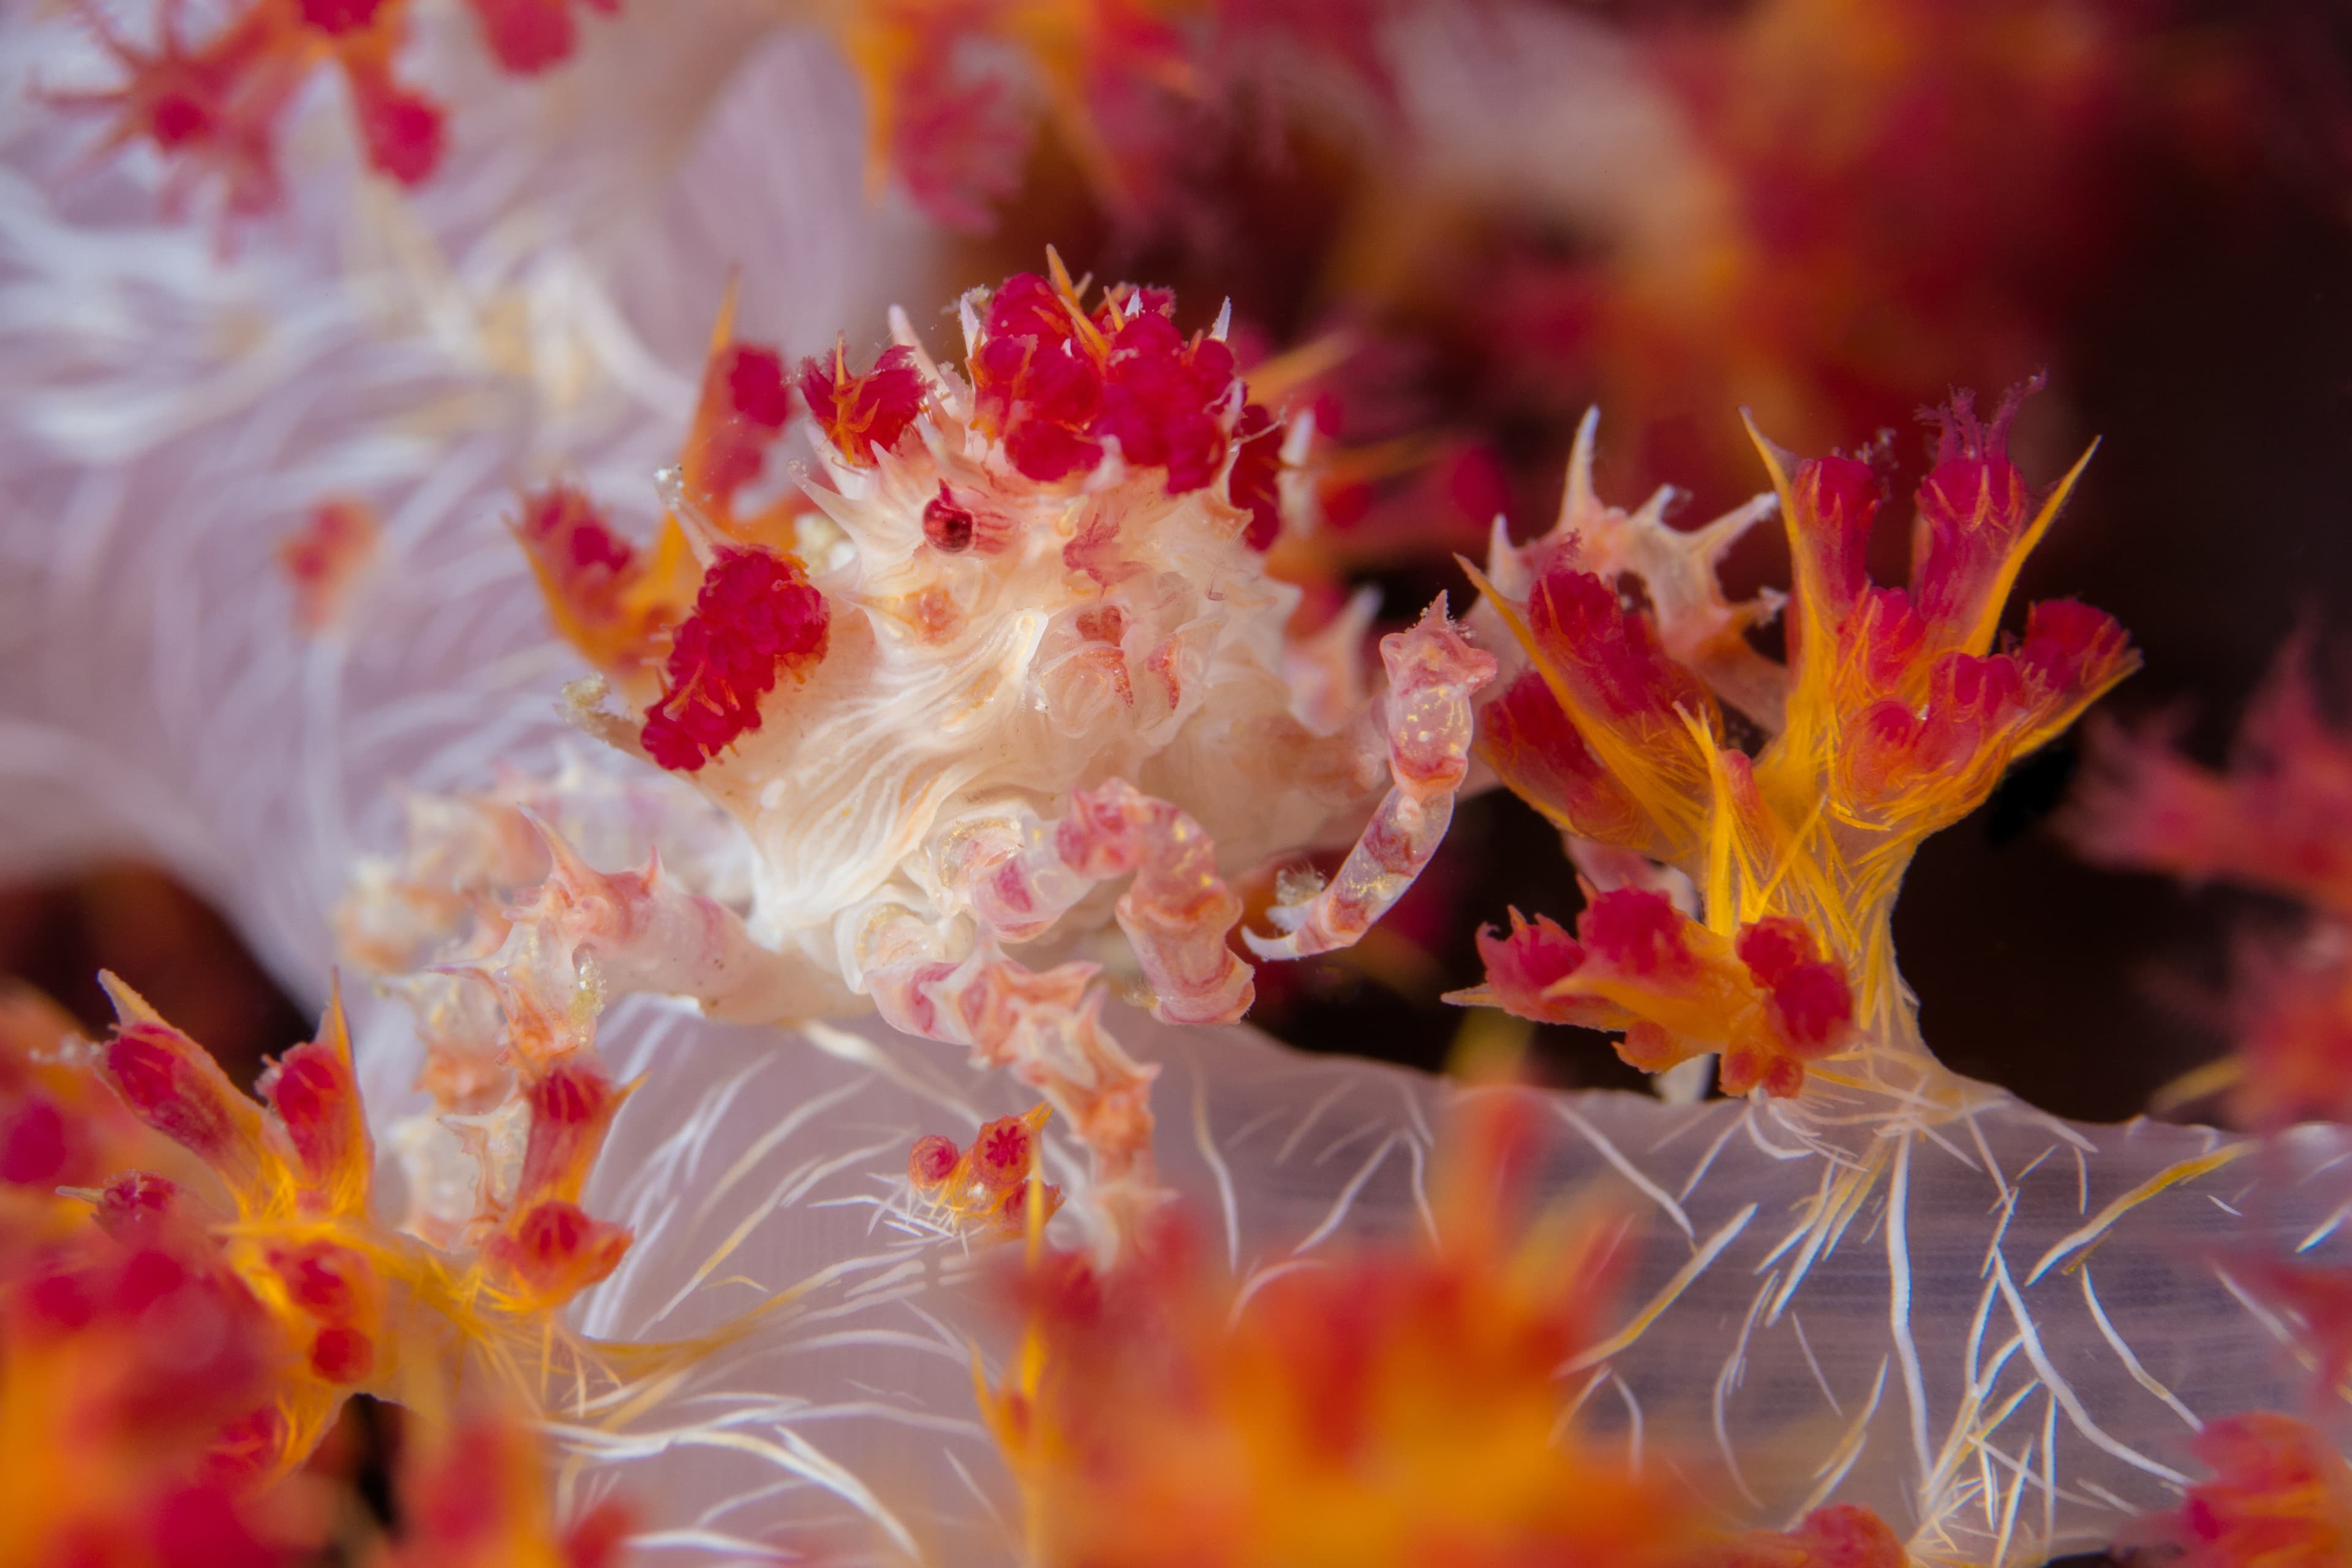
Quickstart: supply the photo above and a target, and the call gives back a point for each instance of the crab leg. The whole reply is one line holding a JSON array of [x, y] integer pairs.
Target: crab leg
[[1175, 913], [1046, 1026], [1433, 673], [583, 937]]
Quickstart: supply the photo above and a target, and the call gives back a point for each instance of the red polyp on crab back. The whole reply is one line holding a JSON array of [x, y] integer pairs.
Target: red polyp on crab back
[[1036, 383], [864, 415], [1163, 401], [745, 403], [1055, 386], [756, 617], [1253, 485]]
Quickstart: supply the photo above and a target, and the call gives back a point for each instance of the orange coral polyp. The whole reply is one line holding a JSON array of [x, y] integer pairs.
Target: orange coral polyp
[[357, 1305], [1897, 714], [1396, 1407], [2280, 1497], [993, 1183]]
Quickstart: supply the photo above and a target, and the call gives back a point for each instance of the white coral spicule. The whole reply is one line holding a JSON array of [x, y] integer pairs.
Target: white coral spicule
[[1972, 1329]]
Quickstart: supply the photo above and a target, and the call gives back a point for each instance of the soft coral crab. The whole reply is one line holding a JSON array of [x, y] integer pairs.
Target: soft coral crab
[[1023, 651]]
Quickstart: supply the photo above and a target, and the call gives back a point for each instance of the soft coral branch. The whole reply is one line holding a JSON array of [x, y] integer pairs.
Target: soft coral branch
[[1897, 713]]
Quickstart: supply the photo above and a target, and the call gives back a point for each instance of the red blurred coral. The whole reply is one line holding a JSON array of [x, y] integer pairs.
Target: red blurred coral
[[324, 558], [2280, 1497], [2277, 821], [527, 37]]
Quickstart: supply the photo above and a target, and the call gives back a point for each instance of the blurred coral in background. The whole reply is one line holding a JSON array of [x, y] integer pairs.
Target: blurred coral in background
[[787, 806]]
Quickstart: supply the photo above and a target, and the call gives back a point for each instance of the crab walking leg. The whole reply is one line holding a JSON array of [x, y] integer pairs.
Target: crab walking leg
[[1175, 914], [1046, 1026], [1433, 673], [638, 932]]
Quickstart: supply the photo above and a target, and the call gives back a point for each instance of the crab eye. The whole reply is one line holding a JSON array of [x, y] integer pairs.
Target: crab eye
[[946, 525]]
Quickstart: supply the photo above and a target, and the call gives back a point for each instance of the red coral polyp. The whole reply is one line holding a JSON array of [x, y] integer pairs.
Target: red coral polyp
[[556, 1249], [216, 109], [403, 132], [756, 617], [745, 402], [1060, 386], [1532, 959], [1164, 402], [1253, 484], [1612, 656], [337, 17], [1974, 505], [2280, 1497], [1638, 932], [1808, 998], [527, 37], [864, 415]]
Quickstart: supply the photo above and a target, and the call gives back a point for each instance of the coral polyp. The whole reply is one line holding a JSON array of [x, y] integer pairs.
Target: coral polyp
[[1898, 710]]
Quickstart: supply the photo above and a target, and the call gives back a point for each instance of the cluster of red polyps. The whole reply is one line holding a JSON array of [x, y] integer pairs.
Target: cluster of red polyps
[[757, 618], [360, 1307], [1768, 1000], [697, 632], [137, 1373], [863, 414], [214, 108], [1056, 385]]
